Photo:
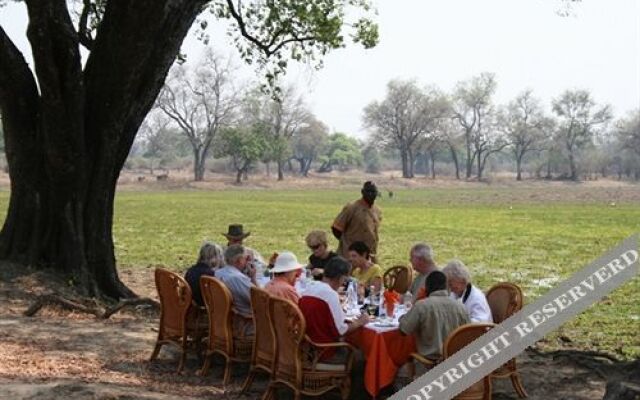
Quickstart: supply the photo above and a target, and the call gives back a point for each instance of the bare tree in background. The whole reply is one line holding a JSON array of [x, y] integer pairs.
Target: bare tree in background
[[200, 103], [407, 114], [628, 135], [525, 126], [580, 117], [308, 143], [284, 117], [472, 109]]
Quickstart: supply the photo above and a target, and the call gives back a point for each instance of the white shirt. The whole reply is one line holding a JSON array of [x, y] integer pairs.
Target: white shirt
[[323, 291], [476, 305]]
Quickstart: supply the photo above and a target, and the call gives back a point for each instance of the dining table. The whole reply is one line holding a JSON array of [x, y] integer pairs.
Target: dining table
[[385, 348]]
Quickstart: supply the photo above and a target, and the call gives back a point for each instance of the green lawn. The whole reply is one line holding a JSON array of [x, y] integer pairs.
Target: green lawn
[[532, 244]]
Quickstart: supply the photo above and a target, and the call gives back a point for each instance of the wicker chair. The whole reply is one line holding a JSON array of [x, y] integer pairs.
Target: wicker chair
[[457, 340], [223, 339], [505, 299], [397, 278], [179, 316], [264, 348], [297, 363]]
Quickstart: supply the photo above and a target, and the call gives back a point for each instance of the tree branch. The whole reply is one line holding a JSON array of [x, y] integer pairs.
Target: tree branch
[[18, 90]]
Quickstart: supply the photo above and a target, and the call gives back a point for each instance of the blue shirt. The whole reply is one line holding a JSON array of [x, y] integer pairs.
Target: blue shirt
[[239, 285]]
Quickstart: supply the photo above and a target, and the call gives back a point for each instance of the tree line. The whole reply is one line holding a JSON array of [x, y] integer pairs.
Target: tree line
[[578, 136], [204, 112]]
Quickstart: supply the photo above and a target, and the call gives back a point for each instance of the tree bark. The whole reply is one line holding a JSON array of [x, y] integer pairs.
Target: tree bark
[[405, 161], [572, 167], [519, 167], [198, 165], [67, 143], [280, 170], [454, 156]]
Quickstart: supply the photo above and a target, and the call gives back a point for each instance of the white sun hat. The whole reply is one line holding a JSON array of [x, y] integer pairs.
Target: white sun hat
[[285, 262]]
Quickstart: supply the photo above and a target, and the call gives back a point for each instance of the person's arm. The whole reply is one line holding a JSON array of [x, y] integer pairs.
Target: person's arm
[[410, 321], [341, 222], [360, 322]]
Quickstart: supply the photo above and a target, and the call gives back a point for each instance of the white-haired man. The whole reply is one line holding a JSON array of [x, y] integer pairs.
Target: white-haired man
[[421, 257], [460, 286]]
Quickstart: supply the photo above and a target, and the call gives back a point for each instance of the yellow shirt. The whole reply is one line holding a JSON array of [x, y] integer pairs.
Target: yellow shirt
[[365, 277]]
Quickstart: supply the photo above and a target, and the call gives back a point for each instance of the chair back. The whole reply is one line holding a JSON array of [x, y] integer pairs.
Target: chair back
[[457, 340], [217, 300], [289, 327], [397, 278], [264, 348], [175, 299], [505, 299]]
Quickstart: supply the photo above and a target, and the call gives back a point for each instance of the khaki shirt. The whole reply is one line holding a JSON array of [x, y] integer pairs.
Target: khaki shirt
[[358, 223], [431, 320]]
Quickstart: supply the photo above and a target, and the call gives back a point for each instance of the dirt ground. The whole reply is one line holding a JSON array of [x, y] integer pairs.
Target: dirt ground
[[59, 354]]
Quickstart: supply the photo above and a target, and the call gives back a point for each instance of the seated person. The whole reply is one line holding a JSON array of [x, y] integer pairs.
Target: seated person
[[319, 245], [432, 319], [235, 235], [461, 289], [209, 260], [363, 269], [320, 305], [421, 256], [238, 275], [286, 270]]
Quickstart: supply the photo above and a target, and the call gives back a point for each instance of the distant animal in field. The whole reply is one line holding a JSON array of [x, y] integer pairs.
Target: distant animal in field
[[163, 177], [390, 194], [141, 178]]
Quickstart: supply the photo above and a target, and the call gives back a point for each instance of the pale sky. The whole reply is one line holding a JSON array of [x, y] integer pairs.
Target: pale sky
[[524, 42]]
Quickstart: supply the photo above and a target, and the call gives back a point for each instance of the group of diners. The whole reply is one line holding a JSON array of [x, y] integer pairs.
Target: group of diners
[[443, 299]]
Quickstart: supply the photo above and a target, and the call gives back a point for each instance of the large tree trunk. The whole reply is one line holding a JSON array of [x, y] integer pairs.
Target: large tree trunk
[[432, 156], [410, 162], [405, 163], [469, 160], [519, 167], [198, 165], [280, 170], [454, 156], [67, 142], [572, 167]]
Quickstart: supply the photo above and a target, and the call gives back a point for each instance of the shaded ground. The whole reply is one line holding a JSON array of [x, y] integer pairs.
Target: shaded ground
[[58, 354]]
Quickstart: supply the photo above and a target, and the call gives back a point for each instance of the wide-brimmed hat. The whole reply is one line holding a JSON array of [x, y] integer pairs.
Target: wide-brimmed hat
[[235, 232], [285, 262]]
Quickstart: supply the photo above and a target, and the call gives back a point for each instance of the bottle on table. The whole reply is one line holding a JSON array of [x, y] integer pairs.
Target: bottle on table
[[371, 308], [408, 300], [382, 308]]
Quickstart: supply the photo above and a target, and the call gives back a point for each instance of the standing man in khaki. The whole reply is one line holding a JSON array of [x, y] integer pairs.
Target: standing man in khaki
[[359, 221]]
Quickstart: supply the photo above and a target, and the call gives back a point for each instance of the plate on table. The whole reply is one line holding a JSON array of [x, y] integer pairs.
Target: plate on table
[[385, 324]]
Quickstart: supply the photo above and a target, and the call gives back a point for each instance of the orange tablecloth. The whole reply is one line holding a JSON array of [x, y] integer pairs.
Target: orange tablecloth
[[384, 352]]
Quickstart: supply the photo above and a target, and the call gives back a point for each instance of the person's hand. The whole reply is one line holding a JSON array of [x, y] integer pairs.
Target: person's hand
[[362, 320], [251, 271], [317, 271]]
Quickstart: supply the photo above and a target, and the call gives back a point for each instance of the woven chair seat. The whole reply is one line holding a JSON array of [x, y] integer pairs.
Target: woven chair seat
[[243, 347]]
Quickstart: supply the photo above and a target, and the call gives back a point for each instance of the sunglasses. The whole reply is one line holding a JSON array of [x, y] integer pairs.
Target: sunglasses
[[315, 247]]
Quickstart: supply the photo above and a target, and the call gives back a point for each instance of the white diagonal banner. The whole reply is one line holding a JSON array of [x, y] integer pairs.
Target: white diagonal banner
[[524, 328]]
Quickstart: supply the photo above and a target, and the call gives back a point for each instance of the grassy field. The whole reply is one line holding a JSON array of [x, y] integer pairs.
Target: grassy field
[[525, 240]]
